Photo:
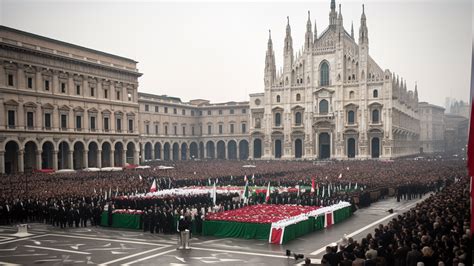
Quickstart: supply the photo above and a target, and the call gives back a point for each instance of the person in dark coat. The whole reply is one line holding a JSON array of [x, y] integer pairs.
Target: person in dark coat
[[330, 258], [413, 256]]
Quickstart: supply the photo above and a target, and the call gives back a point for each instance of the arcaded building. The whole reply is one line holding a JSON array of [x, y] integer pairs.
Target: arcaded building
[[332, 100], [64, 106]]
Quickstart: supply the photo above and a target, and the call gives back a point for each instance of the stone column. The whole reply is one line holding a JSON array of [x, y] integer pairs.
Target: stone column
[[21, 117], [2, 153], [179, 153], [135, 157], [85, 159], [250, 149], [142, 153], [162, 153], [237, 151], [112, 159], [205, 152], [124, 157], [226, 153], [2, 83], [55, 86], [316, 149], [38, 159], [187, 153], [39, 79], [153, 157], [20, 77], [38, 119], [99, 158], [70, 159], [21, 164], [55, 159]]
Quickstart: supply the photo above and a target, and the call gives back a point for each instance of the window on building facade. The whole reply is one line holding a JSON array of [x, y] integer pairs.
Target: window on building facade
[[130, 125], [129, 97], [78, 122], [47, 121], [147, 129], [208, 112], [244, 128], [278, 98], [106, 94], [277, 119], [166, 130], [175, 111], [351, 95], [323, 107], [324, 74], [192, 131], [10, 80], [46, 85], [63, 121], [63, 87], [184, 131], [166, 110], [244, 111], [350, 117], [231, 128], [298, 118], [156, 130], [78, 89], [298, 97], [92, 92], [192, 112], [220, 129], [29, 119], [30, 83], [118, 125], [175, 130], [92, 121], [11, 119], [231, 111], [157, 109], [375, 116], [183, 112], [117, 94], [375, 94], [147, 108], [220, 112], [106, 124], [209, 130]]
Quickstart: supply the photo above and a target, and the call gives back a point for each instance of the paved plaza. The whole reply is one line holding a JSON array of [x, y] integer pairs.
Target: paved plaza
[[52, 246]]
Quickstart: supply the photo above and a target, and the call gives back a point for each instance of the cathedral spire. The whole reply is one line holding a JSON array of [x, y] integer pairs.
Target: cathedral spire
[[270, 67], [333, 14], [352, 30], [288, 54], [308, 38], [315, 31], [363, 31], [288, 39]]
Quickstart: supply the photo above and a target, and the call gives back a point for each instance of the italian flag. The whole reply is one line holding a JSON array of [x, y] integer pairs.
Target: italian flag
[[470, 146], [267, 197], [312, 186], [153, 186]]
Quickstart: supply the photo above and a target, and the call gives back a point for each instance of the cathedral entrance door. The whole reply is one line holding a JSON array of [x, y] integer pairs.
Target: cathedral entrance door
[[375, 144], [277, 148], [324, 146], [351, 148]]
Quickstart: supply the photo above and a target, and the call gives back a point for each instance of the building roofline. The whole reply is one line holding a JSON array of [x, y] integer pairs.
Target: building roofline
[[2, 27]]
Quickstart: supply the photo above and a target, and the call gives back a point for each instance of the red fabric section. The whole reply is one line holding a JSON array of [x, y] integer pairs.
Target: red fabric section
[[276, 235], [262, 214], [328, 219], [472, 206]]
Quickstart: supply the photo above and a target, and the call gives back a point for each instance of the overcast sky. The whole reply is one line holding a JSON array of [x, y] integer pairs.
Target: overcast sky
[[216, 50]]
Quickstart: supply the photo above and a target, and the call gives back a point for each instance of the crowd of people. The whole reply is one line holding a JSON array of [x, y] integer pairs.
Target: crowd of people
[[434, 232], [434, 227]]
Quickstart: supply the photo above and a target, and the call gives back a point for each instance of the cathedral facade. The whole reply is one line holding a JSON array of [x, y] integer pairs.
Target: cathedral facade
[[332, 100]]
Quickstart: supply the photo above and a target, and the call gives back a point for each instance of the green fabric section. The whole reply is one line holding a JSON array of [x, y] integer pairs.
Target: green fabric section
[[319, 223], [300, 229], [342, 214], [235, 229], [121, 220]]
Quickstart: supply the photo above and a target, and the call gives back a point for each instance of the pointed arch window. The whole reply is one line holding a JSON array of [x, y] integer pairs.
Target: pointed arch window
[[350, 117], [323, 107], [324, 74], [375, 94], [298, 118], [298, 97], [375, 116], [278, 98], [277, 119]]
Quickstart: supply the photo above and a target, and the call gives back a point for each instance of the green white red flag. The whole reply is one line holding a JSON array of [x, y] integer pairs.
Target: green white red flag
[[267, 196]]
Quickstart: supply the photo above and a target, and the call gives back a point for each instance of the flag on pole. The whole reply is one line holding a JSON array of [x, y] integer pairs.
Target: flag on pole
[[329, 190], [209, 181], [253, 178], [470, 145], [267, 196], [153, 186], [245, 178], [323, 193], [231, 178], [110, 192], [169, 182], [246, 193], [140, 176], [312, 186], [340, 176], [214, 194], [217, 180], [298, 192], [116, 191], [355, 186]]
